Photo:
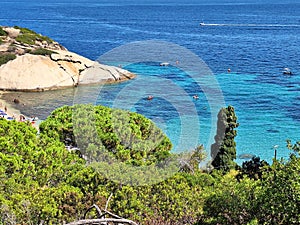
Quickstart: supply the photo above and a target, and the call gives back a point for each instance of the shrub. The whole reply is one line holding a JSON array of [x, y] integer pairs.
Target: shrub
[[26, 39], [27, 36], [6, 57], [42, 51], [129, 136], [2, 32]]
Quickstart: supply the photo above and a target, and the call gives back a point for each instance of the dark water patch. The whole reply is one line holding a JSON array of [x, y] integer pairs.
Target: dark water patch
[[293, 113], [272, 131], [294, 89], [157, 107]]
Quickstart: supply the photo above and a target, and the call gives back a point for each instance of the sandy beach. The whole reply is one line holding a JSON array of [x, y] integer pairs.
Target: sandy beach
[[13, 111], [10, 109]]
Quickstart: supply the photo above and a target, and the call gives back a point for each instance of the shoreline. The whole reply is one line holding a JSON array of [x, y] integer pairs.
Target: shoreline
[[124, 78], [11, 110], [15, 113]]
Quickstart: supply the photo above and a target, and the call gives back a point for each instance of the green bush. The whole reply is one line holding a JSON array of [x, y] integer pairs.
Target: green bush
[[33, 171], [129, 136], [42, 51], [42, 181], [6, 57], [27, 36], [2, 32]]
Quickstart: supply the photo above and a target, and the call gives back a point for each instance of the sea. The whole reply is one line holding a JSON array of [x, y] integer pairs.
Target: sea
[[219, 53]]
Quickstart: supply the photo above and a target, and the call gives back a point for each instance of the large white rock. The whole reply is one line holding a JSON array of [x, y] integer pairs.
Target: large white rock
[[31, 72], [99, 73], [65, 69]]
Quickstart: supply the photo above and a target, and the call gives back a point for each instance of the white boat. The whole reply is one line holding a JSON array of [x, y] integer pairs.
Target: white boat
[[287, 71], [202, 24], [164, 64]]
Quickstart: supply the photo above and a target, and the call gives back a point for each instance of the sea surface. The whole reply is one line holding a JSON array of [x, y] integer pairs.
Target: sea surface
[[255, 39]]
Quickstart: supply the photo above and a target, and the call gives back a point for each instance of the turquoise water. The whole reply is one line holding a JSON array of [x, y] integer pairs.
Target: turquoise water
[[255, 39], [263, 111]]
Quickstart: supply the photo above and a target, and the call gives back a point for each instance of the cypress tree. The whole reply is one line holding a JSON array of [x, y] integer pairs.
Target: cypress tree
[[223, 151]]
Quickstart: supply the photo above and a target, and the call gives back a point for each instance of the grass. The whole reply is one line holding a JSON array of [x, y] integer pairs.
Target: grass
[[42, 51], [26, 39], [28, 36], [2, 32], [6, 57]]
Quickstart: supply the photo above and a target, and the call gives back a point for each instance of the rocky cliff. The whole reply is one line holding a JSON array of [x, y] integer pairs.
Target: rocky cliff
[[32, 62]]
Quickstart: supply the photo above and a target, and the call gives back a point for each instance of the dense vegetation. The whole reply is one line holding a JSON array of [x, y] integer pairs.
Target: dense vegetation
[[41, 182], [29, 37], [4, 58], [128, 136]]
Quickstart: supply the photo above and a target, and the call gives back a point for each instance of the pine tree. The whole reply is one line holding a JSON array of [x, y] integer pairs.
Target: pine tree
[[223, 151]]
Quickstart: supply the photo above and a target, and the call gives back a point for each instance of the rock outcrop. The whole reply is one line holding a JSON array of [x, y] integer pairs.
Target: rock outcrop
[[40, 64]]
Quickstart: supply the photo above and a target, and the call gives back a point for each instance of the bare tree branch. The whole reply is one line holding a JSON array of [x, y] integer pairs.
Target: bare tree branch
[[99, 221], [106, 205]]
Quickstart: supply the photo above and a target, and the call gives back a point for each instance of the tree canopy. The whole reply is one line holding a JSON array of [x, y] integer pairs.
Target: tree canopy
[[95, 130], [223, 151], [42, 182]]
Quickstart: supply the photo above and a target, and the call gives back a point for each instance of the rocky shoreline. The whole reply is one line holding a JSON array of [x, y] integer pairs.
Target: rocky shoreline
[[32, 62]]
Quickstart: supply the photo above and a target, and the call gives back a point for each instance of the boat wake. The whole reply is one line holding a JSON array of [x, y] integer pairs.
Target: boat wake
[[249, 25]]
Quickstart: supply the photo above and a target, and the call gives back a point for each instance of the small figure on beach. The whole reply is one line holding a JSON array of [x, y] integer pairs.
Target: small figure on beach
[[5, 108], [17, 101], [22, 118]]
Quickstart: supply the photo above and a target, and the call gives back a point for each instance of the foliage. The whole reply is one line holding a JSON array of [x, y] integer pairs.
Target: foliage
[[2, 32], [294, 147], [223, 151], [99, 131], [4, 58], [253, 168], [274, 199], [177, 200], [189, 162], [42, 51], [231, 202], [279, 198], [41, 182], [33, 171], [28, 36]]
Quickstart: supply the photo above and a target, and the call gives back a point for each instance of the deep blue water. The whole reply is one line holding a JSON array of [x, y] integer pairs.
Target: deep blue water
[[255, 40]]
